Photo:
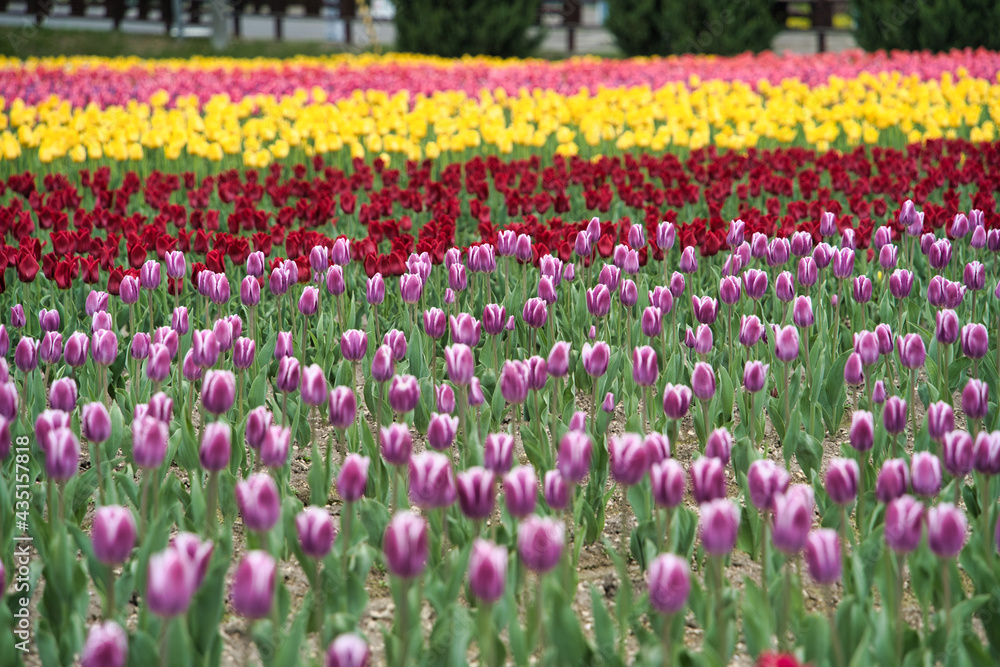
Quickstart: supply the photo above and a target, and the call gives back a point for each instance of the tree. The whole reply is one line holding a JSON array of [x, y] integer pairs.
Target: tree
[[454, 28]]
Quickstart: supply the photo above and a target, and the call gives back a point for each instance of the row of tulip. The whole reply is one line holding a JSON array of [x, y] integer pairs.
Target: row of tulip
[[604, 333]]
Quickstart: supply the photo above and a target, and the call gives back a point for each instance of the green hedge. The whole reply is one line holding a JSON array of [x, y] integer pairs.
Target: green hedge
[[935, 25], [725, 27], [454, 28]]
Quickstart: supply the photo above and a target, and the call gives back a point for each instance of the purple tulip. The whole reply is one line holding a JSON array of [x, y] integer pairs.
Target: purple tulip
[[405, 545], [112, 534], [946, 331], [900, 283], [778, 252], [947, 530], [149, 441], [708, 479], [802, 312], [404, 393], [343, 407], [862, 433], [784, 287], [170, 583], [702, 382], [95, 422], [841, 480], [595, 358], [689, 261], [540, 543], [765, 480], [718, 526], [520, 490], [894, 415], [252, 591], [793, 514], [354, 344], [313, 388], [598, 301], [940, 420], [751, 330], [823, 556], [975, 399], [957, 451], [432, 484], [974, 276], [476, 494], [975, 341], [719, 445], [487, 570], [106, 646], [555, 490], [904, 517], [383, 367], [375, 290], [893, 480], [755, 283], [786, 343], [573, 461], [465, 329], [627, 459], [986, 453], [861, 289], [912, 352], [396, 444], [259, 502], [244, 350], [677, 398], [925, 473], [275, 446], [668, 482], [878, 392], [218, 391], [316, 531], [26, 354], [353, 477], [216, 443], [435, 323], [705, 309]]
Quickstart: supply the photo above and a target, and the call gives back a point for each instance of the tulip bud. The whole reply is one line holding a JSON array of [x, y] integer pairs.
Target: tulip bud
[[702, 382], [112, 534], [718, 525], [441, 431], [476, 495], [765, 480], [986, 453], [274, 446], [925, 472], [353, 477], [802, 312], [786, 343], [258, 421], [465, 329], [383, 366], [435, 324], [841, 480], [778, 251], [627, 459], [573, 460], [705, 309], [149, 441], [957, 451], [95, 422], [432, 484], [404, 393], [520, 490], [755, 284], [405, 545], [854, 373], [668, 481], [170, 583], [975, 340], [893, 480], [106, 646], [823, 556], [218, 391], [975, 399], [343, 407], [540, 543], [316, 531], [940, 420], [912, 352], [903, 522], [862, 434], [708, 479], [487, 570], [894, 415], [946, 331], [669, 582], [252, 591], [900, 283], [259, 502], [578, 422], [396, 444], [677, 398], [598, 300], [555, 490], [216, 444], [947, 530]]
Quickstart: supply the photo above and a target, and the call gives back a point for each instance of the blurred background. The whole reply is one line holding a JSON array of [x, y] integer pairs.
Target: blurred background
[[510, 28]]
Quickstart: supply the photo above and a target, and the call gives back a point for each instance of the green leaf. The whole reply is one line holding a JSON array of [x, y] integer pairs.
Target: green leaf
[[757, 629]]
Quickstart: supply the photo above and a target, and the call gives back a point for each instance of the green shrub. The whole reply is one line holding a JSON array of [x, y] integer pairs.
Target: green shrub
[[725, 27], [454, 28], [935, 25]]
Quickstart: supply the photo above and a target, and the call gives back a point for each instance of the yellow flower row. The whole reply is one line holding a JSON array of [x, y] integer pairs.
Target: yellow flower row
[[842, 113]]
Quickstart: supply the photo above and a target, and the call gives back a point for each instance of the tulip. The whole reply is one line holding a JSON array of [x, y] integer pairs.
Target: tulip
[[609, 403], [573, 460], [862, 433], [677, 284], [793, 513], [668, 482], [218, 391], [900, 283], [149, 441], [410, 287], [644, 366], [441, 430], [823, 556], [751, 330], [598, 301], [313, 389], [802, 312], [396, 444], [627, 459], [404, 393], [396, 340], [375, 290], [701, 339], [975, 341], [665, 236], [540, 543], [170, 583], [343, 406], [957, 451], [878, 393], [786, 343], [778, 251], [689, 262], [719, 445], [894, 415], [520, 490], [986, 453], [353, 477], [444, 399], [677, 398], [947, 530], [718, 526], [258, 421], [404, 545], [841, 480], [274, 446], [705, 309], [940, 420], [729, 290], [26, 355], [216, 443], [912, 352], [765, 480], [383, 367], [708, 479], [946, 331], [861, 289], [975, 399], [252, 591], [475, 492], [854, 373], [316, 531], [340, 253], [106, 646], [354, 345], [465, 329], [112, 534], [557, 363], [755, 284], [149, 275], [494, 317], [893, 480], [939, 254], [925, 473], [435, 324], [259, 502], [432, 484], [76, 348], [556, 490], [95, 422], [487, 570], [62, 394]]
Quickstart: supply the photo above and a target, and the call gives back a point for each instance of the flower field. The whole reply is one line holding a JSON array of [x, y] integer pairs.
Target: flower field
[[406, 361]]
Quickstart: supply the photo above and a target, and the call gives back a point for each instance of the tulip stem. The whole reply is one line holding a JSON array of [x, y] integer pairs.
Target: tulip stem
[[346, 518], [403, 627], [213, 499], [913, 404], [704, 413], [897, 602], [109, 596], [984, 511], [668, 647], [164, 644], [946, 581], [318, 591], [838, 650], [486, 635], [860, 509], [717, 567]]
